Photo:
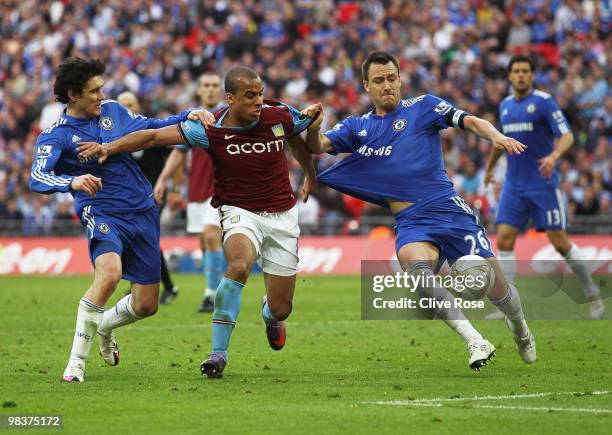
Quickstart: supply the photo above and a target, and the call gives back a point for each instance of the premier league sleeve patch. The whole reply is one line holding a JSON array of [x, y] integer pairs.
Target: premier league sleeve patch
[[43, 151]]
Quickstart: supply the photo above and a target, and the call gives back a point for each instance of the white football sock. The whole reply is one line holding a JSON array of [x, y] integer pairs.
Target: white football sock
[[575, 259], [511, 306], [453, 316], [89, 317], [507, 262], [465, 329], [120, 315]]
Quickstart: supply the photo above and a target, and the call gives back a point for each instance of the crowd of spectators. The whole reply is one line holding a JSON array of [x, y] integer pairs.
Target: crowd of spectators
[[308, 51]]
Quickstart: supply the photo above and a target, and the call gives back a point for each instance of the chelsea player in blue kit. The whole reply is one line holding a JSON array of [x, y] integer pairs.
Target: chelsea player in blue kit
[[531, 186], [115, 203], [396, 162]]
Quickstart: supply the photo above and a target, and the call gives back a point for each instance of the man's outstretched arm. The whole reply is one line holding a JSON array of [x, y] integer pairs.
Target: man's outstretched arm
[[485, 129], [136, 141]]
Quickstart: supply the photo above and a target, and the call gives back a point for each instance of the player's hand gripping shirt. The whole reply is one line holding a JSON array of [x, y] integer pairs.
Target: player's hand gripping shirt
[[56, 162], [250, 165], [398, 156], [535, 121]]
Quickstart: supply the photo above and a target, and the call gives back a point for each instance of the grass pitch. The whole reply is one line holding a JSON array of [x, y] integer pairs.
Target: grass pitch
[[337, 374]]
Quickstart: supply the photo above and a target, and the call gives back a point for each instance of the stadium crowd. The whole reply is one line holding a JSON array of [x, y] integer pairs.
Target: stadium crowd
[[308, 51]]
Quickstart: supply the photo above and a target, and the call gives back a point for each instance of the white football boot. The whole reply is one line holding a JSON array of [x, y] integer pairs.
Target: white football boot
[[526, 346], [75, 371], [109, 350], [597, 307], [481, 351]]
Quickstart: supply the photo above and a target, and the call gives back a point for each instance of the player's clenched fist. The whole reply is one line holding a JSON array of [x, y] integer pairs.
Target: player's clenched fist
[[87, 183], [92, 149], [316, 112]]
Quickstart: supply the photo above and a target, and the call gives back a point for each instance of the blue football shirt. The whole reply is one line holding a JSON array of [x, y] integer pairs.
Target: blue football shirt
[[56, 162], [534, 121], [397, 156]]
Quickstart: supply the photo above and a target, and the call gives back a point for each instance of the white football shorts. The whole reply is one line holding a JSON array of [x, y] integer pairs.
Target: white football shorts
[[200, 214], [275, 236]]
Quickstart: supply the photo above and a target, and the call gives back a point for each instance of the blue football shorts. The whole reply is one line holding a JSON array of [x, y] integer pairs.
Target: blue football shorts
[[132, 236], [448, 223]]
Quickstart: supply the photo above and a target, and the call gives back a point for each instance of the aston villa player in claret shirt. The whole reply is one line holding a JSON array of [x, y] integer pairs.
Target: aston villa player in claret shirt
[[256, 203]]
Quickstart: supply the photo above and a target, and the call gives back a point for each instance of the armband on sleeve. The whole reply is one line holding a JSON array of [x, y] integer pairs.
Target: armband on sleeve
[[455, 118]]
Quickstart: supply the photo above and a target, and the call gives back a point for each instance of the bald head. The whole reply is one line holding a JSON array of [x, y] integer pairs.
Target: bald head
[[238, 75], [129, 100]]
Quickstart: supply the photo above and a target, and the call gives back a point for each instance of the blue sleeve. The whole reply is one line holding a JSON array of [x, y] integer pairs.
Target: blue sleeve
[[342, 137], [193, 134], [555, 118], [131, 122], [439, 114], [299, 122], [48, 151]]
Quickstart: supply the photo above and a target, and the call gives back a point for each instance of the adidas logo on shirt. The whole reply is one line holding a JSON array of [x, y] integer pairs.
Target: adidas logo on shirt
[[362, 133], [75, 138]]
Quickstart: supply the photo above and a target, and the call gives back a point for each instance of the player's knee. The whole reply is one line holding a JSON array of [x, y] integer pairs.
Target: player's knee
[[107, 280], [505, 242], [146, 308], [211, 240], [238, 270], [281, 309]]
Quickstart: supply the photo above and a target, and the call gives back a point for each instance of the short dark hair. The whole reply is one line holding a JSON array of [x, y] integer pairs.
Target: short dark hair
[[240, 72], [73, 73], [521, 58], [378, 58]]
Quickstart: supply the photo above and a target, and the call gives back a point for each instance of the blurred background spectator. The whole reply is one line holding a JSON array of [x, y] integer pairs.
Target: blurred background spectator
[[308, 51]]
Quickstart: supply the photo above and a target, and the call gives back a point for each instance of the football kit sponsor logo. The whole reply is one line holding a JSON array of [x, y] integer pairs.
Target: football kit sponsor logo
[[517, 127], [362, 133], [75, 138], [369, 151], [229, 136], [256, 148]]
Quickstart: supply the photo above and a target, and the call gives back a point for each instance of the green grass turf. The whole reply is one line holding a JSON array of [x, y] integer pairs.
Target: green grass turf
[[332, 365]]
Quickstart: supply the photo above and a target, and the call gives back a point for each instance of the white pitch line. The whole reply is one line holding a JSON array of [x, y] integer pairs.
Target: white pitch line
[[483, 398], [545, 408]]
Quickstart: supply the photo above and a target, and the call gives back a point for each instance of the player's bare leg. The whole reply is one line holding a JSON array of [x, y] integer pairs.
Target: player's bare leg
[[576, 261], [140, 303], [241, 254], [90, 313], [210, 240], [276, 307], [420, 258]]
